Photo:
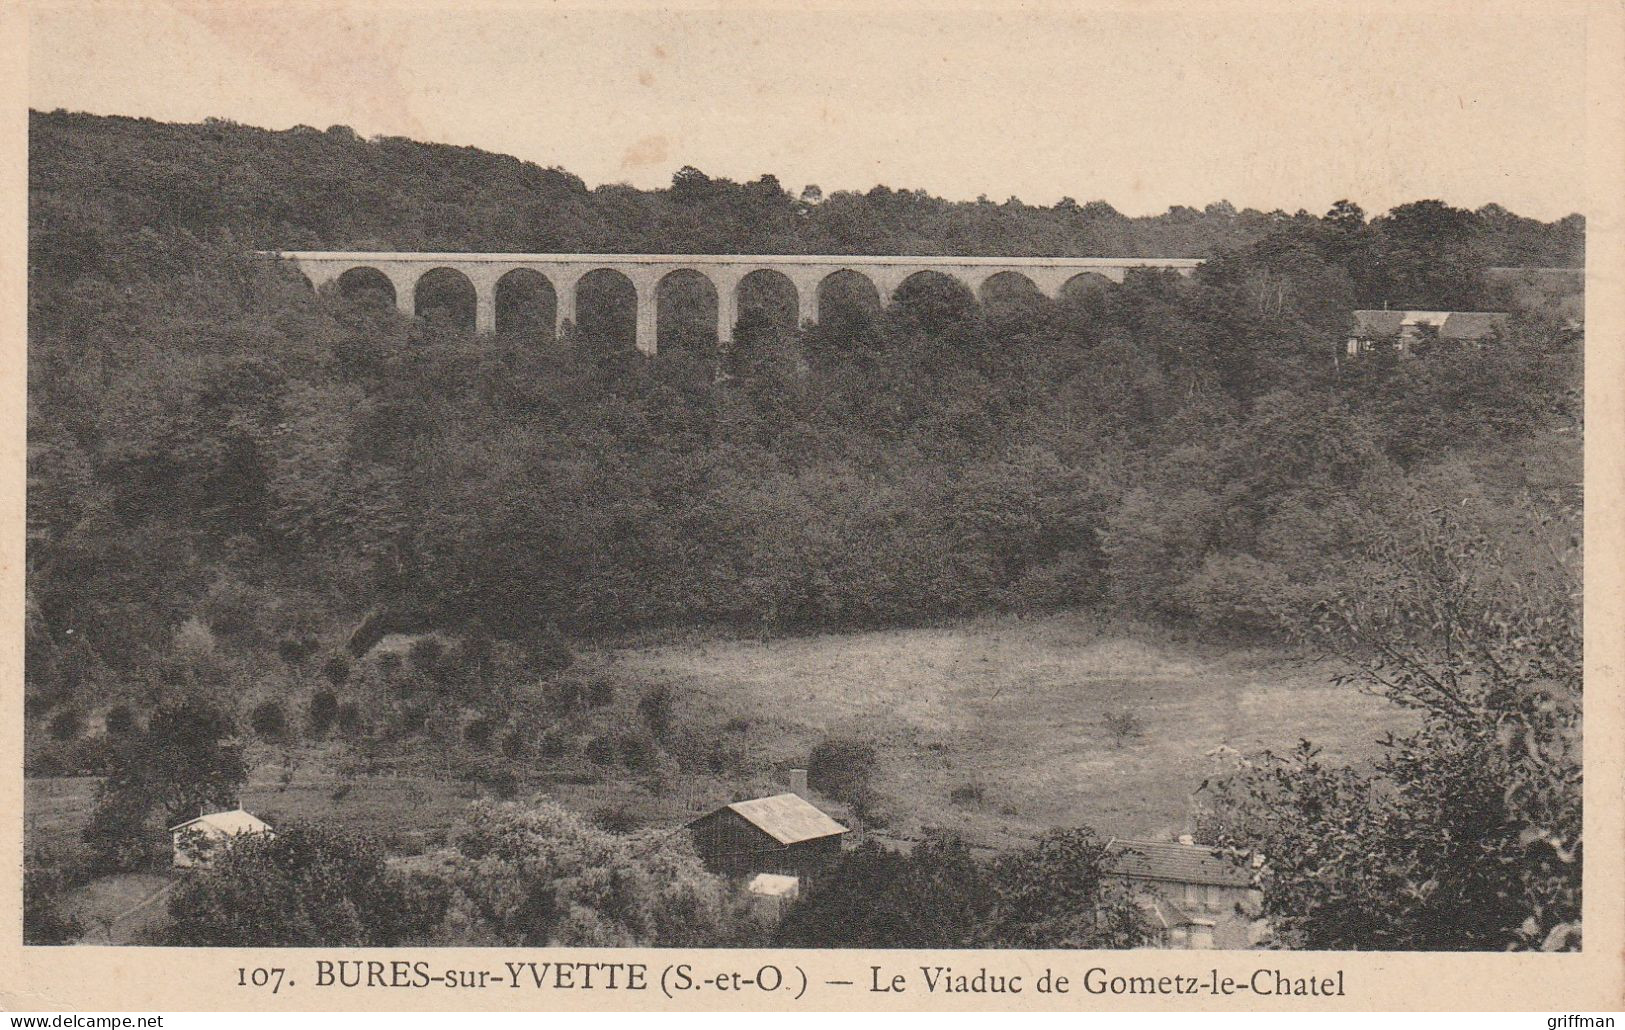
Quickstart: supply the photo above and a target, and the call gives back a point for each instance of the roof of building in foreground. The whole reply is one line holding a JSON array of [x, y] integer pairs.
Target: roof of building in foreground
[[787, 818], [1176, 863], [233, 822]]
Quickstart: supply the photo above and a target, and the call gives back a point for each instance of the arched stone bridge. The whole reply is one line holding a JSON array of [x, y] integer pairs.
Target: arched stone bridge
[[489, 275]]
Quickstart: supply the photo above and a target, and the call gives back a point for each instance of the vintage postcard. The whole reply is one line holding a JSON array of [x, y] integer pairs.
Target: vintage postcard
[[812, 506]]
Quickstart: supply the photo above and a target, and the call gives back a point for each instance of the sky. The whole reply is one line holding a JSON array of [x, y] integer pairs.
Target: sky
[[1282, 107]]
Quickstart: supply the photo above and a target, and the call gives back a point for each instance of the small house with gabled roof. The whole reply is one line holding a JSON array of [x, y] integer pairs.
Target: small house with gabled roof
[[1402, 331], [783, 834], [1193, 896], [198, 841]]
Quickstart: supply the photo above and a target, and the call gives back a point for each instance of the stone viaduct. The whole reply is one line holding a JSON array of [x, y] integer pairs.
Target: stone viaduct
[[487, 276]]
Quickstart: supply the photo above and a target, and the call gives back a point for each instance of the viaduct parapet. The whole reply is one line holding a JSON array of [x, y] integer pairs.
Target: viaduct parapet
[[488, 275]]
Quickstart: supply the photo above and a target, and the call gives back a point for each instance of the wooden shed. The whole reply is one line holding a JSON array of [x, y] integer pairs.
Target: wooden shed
[[783, 834]]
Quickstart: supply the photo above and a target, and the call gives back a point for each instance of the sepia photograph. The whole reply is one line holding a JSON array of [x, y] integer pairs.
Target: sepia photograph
[[822, 476]]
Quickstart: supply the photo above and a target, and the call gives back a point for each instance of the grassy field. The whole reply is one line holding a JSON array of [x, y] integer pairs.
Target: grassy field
[[408, 814], [1017, 709], [1010, 712]]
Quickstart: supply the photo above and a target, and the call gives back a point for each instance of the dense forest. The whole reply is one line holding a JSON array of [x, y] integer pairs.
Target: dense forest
[[229, 472]]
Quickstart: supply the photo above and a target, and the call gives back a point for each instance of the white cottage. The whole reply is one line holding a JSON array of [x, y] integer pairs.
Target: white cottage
[[198, 840]]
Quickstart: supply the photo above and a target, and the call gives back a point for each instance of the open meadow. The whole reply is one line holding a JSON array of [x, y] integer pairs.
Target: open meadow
[[1013, 716], [998, 728]]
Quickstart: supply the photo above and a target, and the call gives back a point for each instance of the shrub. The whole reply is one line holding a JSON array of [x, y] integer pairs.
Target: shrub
[[336, 670], [1055, 894], [841, 769], [514, 744], [601, 750], [872, 897], [1238, 594], [413, 718], [722, 758], [230, 608], [1487, 787], [269, 721], [655, 706], [261, 892], [1123, 726], [966, 794], [121, 721], [548, 650], [295, 651], [615, 819], [600, 692], [119, 836], [67, 723], [86, 756], [185, 763], [479, 731], [538, 875], [324, 708], [638, 751], [1049, 895], [564, 696], [425, 655], [502, 782]]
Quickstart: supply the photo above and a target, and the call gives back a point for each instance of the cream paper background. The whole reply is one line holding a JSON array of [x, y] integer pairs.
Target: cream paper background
[[148, 979]]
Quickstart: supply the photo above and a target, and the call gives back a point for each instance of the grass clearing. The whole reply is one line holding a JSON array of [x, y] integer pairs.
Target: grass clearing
[[1019, 709], [999, 728]]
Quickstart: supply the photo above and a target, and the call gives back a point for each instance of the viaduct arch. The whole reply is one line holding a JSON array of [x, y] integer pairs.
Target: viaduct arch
[[806, 273]]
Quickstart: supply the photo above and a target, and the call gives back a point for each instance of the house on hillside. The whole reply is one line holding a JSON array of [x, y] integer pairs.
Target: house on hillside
[[784, 834], [198, 841], [1194, 897], [1404, 331]]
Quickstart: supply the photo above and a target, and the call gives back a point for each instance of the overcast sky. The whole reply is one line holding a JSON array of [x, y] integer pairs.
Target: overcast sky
[[1143, 108]]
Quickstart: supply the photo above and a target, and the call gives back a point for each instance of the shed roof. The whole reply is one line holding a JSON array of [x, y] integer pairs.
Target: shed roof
[[233, 822], [1177, 863], [787, 818]]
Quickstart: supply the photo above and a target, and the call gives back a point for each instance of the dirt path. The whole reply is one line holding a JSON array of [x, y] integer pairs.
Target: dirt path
[[122, 927]]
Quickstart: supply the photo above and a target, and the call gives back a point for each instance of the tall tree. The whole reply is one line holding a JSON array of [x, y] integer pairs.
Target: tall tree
[[1467, 833], [187, 762]]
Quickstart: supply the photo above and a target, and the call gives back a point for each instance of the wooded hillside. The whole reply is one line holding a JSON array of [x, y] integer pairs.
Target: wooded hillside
[[215, 452]]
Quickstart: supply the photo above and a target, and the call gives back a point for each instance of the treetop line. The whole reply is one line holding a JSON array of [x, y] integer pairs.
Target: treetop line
[[484, 277]]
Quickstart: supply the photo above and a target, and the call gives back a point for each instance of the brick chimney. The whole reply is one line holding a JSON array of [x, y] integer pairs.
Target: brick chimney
[[798, 782]]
